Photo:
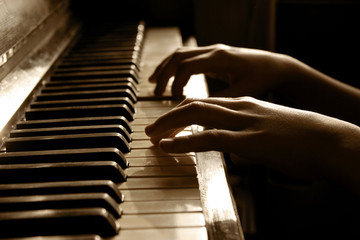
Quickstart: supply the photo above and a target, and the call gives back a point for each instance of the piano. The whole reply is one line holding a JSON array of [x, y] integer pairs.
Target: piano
[[75, 162]]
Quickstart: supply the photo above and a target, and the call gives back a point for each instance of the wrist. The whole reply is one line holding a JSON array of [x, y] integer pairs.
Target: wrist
[[290, 73], [343, 164]]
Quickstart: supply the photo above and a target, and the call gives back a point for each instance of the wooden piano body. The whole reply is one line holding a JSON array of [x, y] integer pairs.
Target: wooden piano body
[[75, 177]]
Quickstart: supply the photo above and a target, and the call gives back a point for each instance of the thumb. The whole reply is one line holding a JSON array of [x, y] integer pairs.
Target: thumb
[[209, 140]]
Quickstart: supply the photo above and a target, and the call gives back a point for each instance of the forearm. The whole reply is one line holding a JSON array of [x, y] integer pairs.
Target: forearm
[[313, 90]]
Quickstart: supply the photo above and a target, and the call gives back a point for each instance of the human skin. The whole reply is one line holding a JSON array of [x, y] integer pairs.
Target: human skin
[[252, 72], [323, 141]]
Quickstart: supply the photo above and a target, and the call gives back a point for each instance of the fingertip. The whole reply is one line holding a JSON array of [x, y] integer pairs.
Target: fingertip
[[177, 93], [160, 88], [154, 141], [153, 77], [149, 129], [178, 96], [158, 92], [167, 144]]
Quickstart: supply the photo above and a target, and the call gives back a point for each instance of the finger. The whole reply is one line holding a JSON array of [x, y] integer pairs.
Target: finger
[[243, 144], [205, 114], [210, 140], [169, 66], [171, 133], [202, 63], [158, 69], [239, 103], [183, 50]]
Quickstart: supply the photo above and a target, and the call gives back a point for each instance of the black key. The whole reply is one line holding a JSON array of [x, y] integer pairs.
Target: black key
[[110, 38], [71, 237], [76, 141], [132, 46], [106, 41], [90, 87], [71, 130], [96, 74], [95, 68], [49, 188], [49, 172], [92, 81], [75, 122], [102, 62], [98, 56], [80, 111], [58, 222], [87, 94], [65, 155], [84, 102], [60, 201]]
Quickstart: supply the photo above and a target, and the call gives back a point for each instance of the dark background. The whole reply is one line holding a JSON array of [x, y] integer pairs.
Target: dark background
[[322, 33]]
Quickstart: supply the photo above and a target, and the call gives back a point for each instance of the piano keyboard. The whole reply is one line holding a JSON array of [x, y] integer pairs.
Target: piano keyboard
[[80, 163]]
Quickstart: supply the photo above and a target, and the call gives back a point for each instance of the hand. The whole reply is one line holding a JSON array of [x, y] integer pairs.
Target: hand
[[251, 72], [299, 143], [246, 71]]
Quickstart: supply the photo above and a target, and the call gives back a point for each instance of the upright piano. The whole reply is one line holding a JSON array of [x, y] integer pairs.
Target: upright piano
[[75, 162]]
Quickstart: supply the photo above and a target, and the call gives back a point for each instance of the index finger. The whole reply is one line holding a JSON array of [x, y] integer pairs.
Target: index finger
[[201, 113], [168, 67]]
